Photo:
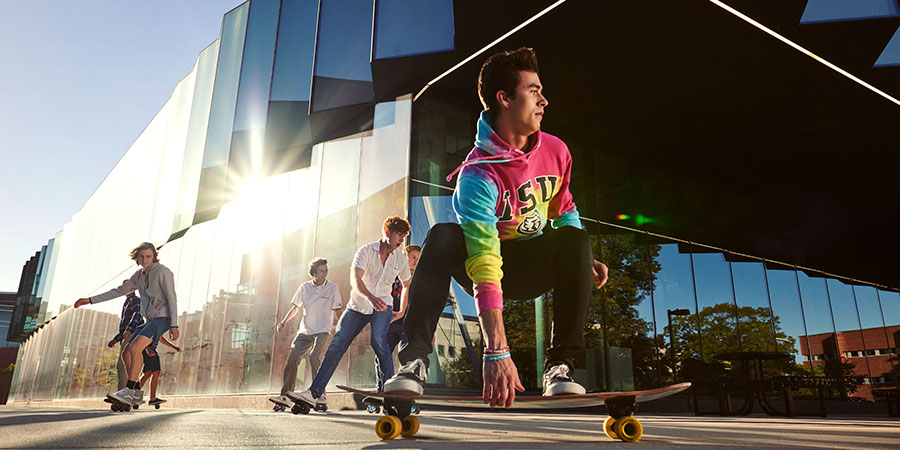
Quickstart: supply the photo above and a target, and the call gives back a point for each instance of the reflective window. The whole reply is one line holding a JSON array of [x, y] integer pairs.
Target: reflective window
[[336, 240], [674, 302], [214, 172], [850, 339], [186, 201], [288, 141], [787, 312], [621, 314], [715, 298], [343, 51], [245, 161], [843, 306], [874, 333], [754, 313], [412, 27]]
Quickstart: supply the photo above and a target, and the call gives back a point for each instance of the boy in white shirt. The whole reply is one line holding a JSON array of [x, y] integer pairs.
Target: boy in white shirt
[[372, 274], [319, 299]]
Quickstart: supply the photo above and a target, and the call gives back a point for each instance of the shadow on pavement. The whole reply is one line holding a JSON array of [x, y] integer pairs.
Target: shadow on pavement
[[109, 435]]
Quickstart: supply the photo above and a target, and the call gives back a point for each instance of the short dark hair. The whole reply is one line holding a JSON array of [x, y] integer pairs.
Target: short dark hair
[[395, 223], [142, 247], [314, 265], [501, 73]]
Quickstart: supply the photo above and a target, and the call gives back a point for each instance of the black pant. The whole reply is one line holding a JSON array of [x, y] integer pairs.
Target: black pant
[[558, 259]]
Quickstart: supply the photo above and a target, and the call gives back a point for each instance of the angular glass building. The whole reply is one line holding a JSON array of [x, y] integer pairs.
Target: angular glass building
[[306, 123]]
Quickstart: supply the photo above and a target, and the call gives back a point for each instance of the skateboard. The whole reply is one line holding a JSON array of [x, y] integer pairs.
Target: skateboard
[[301, 407], [156, 402], [118, 406], [279, 405], [400, 410]]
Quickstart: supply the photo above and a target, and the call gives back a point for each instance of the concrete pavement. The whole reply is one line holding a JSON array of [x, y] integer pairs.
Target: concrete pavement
[[25, 427]]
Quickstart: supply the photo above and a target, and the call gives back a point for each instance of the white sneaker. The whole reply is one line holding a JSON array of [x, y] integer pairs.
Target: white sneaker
[[409, 379], [305, 397], [322, 400], [122, 395], [281, 400], [137, 397], [558, 382]]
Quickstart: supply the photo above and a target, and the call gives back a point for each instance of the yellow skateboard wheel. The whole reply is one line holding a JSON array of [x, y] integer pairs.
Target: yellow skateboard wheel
[[628, 429], [410, 426], [388, 427], [608, 425]]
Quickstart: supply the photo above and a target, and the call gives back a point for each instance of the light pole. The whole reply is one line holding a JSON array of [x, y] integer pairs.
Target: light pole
[[670, 313]]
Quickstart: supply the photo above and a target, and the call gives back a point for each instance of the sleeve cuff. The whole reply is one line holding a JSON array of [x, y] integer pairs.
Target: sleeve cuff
[[488, 296]]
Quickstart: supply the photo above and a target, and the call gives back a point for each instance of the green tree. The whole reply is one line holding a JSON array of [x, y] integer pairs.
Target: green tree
[[724, 328]]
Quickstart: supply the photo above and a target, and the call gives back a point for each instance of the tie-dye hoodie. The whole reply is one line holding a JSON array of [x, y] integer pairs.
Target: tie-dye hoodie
[[503, 194]]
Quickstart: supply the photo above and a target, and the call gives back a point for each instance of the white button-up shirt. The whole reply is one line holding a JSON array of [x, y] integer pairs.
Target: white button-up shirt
[[377, 277], [317, 302]]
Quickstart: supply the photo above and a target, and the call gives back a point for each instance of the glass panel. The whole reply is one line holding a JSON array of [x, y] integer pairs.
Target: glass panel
[[442, 138], [245, 161], [754, 313], [890, 308], [299, 243], [675, 309], [620, 320], [824, 350], [787, 313], [213, 175], [338, 197], [715, 297], [874, 333], [343, 51], [288, 139], [412, 27], [196, 137]]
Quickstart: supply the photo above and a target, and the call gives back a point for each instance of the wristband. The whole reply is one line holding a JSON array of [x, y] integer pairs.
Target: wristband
[[497, 357], [494, 351]]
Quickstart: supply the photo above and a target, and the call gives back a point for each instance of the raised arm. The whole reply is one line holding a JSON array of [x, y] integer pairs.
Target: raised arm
[[126, 287]]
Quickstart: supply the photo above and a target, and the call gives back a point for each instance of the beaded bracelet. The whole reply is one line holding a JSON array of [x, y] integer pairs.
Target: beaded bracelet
[[497, 357], [495, 351]]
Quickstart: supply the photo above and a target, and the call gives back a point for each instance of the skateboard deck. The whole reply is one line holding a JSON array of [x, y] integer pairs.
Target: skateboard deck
[[119, 406], [400, 409], [279, 405], [301, 407], [156, 402]]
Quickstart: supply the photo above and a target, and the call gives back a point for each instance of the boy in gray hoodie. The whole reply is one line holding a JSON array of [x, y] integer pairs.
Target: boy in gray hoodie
[[156, 285]]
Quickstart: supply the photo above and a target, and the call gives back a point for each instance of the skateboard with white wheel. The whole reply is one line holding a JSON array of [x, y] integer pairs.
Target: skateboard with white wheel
[[400, 410]]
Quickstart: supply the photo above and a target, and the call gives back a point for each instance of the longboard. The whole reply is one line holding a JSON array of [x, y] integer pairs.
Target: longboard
[[279, 405], [119, 406], [301, 407], [399, 409]]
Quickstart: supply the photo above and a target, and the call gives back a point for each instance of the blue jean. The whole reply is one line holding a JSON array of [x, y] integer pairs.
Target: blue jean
[[349, 326]]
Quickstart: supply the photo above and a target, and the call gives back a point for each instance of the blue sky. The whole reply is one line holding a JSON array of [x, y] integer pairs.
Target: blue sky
[[80, 80]]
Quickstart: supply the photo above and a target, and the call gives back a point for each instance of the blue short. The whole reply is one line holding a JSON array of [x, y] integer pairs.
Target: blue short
[[153, 330]]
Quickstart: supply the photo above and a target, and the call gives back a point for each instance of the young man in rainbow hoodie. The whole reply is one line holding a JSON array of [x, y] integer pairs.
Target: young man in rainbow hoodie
[[512, 185]]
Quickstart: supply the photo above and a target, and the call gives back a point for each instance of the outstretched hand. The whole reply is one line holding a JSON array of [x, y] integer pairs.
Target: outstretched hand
[[600, 273], [501, 381], [82, 301]]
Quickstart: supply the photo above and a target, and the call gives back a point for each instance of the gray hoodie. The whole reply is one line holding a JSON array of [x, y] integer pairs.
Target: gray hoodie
[[157, 291]]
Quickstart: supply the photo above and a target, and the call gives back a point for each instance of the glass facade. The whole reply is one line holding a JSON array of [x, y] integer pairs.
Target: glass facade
[[273, 151]]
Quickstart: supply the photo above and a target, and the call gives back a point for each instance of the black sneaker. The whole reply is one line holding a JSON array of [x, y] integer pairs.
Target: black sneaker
[[410, 379], [557, 381]]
